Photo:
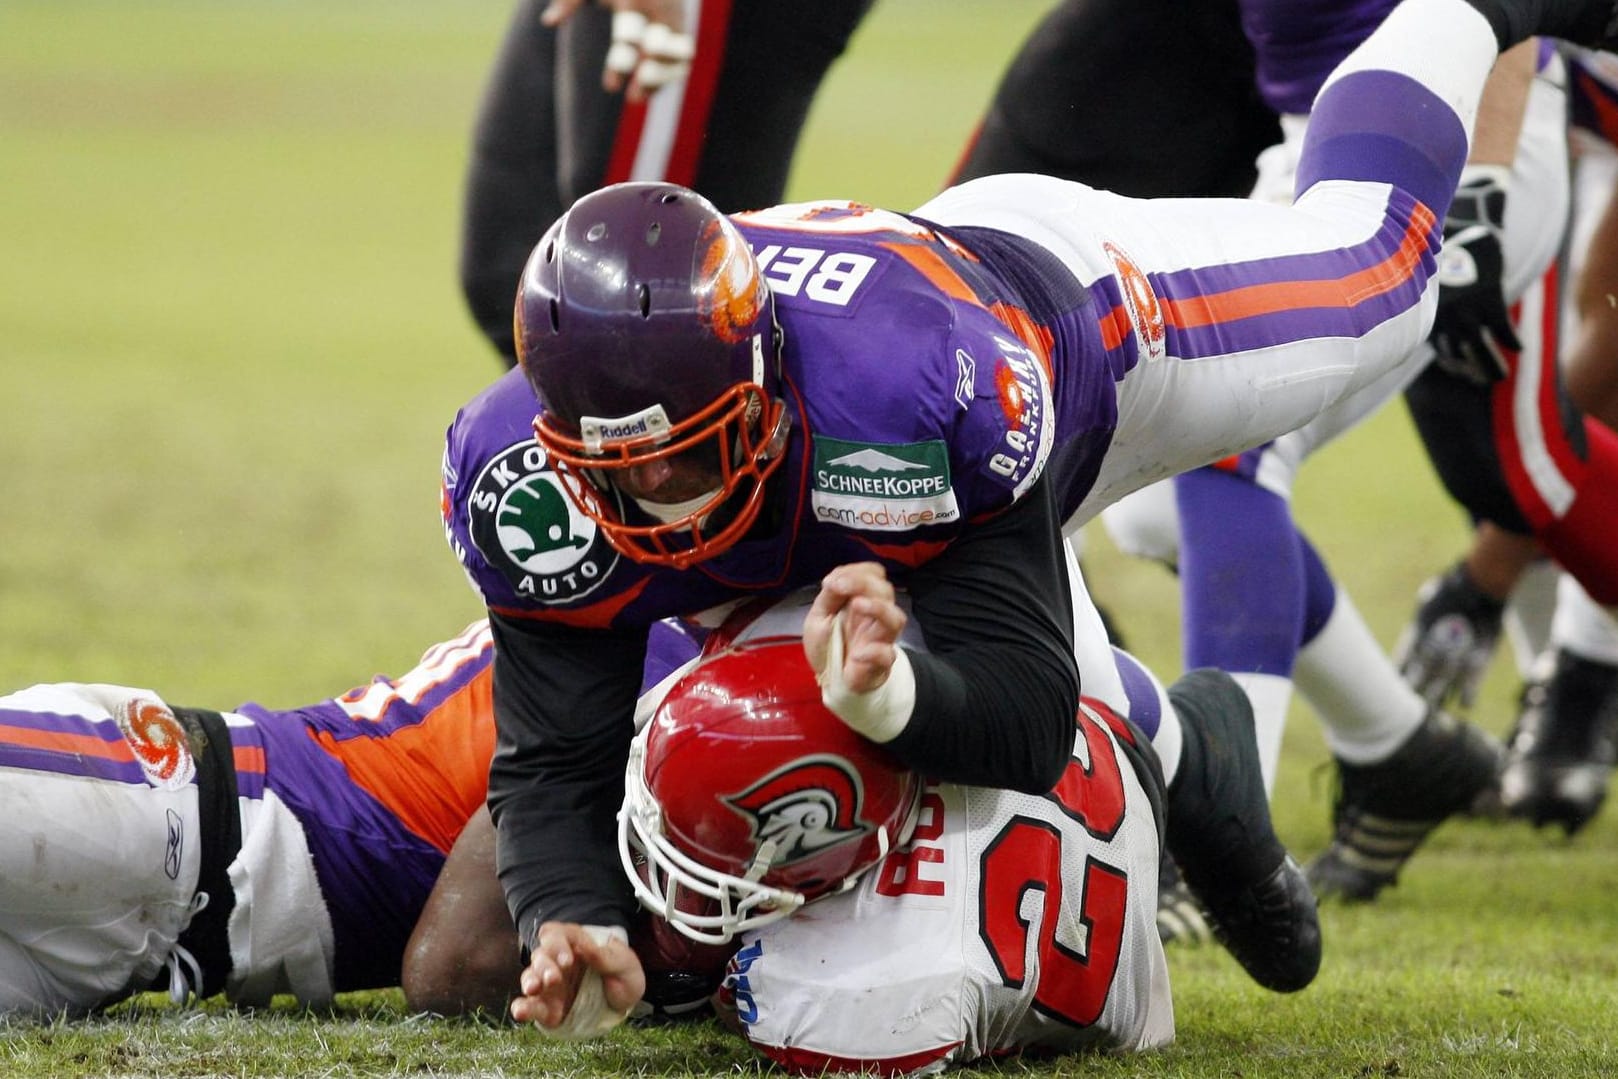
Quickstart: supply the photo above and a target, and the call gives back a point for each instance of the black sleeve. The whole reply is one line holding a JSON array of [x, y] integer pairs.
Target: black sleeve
[[1455, 421], [997, 693], [564, 702]]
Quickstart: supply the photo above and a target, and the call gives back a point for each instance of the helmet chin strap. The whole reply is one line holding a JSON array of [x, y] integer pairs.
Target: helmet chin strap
[[670, 512]]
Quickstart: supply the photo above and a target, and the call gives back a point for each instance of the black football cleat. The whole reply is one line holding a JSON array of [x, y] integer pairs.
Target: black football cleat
[[1219, 833], [1386, 809], [1561, 755]]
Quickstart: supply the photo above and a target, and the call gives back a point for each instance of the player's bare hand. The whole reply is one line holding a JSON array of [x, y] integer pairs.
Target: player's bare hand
[[551, 983], [871, 623], [650, 44]]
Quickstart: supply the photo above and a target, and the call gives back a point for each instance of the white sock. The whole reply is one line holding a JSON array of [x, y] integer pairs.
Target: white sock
[[1528, 613], [1582, 625], [1271, 695], [1368, 710]]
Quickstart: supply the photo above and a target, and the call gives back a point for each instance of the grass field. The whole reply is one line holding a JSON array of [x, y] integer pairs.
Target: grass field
[[230, 341]]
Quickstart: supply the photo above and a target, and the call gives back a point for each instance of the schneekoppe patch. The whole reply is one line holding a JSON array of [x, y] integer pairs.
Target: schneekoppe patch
[[882, 487], [526, 527]]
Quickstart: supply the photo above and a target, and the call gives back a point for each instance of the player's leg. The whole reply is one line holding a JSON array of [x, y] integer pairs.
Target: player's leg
[[1233, 533], [464, 956], [511, 190], [1226, 279], [776, 55], [1221, 838], [1218, 828], [1402, 767], [100, 854], [1182, 118]]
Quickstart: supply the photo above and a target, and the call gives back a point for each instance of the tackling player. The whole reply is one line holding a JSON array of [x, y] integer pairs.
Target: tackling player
[[1403, 766], [832, 393]]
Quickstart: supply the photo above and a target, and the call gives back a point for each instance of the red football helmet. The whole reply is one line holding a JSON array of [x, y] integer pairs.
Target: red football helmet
[[747, 798], [646, 329]]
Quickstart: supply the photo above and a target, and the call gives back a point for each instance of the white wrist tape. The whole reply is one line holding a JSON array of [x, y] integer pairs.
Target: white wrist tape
[[665, 43], [590, 1017], [880, 714], [624, 52]]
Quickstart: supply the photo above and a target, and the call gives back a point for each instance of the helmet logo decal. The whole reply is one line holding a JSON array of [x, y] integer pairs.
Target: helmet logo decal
[[738, 290], [804, 807], [524, 524]]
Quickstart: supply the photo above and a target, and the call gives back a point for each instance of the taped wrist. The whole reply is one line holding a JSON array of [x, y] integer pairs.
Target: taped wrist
[[590, 1016], [880, 714]]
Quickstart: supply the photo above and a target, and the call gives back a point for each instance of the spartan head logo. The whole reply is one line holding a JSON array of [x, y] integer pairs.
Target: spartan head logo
[[805, 807]]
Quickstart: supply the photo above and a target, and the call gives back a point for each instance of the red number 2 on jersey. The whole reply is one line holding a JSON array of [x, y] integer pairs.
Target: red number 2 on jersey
[[1072, 985]]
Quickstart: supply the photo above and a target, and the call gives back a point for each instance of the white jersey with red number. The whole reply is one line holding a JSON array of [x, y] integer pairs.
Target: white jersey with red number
[[1010, 921]]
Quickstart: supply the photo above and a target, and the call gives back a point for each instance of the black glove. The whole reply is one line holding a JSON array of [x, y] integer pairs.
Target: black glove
[[1445, 650], [1473, 323]]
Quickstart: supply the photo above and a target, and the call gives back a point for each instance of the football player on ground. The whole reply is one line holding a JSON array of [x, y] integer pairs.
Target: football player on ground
[[930, 398], [887, 924], [257, 851]]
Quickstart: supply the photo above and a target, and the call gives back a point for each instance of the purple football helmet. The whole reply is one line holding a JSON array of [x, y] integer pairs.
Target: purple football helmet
[[646, 329]]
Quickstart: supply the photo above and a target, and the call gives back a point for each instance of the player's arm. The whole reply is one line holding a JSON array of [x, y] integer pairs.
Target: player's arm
[[1473, 321], [992, 703], [564, 699]]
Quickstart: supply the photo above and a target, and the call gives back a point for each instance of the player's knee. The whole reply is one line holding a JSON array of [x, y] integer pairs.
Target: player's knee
[[1146, 524], [463, 976]]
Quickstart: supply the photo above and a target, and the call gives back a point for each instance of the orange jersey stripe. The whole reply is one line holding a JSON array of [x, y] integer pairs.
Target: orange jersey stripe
[[448, 775], [1274, 297], [83, 745]]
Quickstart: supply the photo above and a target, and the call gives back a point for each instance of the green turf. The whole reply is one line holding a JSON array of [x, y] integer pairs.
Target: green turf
[[230, 341]]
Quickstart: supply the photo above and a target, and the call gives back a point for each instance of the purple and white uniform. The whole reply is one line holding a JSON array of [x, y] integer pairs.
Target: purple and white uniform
[[963, 381], [314, 856]]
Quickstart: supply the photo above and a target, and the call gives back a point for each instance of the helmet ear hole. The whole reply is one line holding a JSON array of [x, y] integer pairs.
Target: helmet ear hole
[[644, 294], [550, 251], [556, 317], [654, 233]]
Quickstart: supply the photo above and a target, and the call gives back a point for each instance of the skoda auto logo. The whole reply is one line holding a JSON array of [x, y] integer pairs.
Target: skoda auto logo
[[524, 525]]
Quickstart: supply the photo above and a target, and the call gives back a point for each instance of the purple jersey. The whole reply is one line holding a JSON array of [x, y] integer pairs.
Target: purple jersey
[[931, 409], [383, 779]]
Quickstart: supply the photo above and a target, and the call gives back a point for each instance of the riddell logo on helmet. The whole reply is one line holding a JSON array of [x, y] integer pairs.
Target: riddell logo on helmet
[[804, 808], [596, 431]]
